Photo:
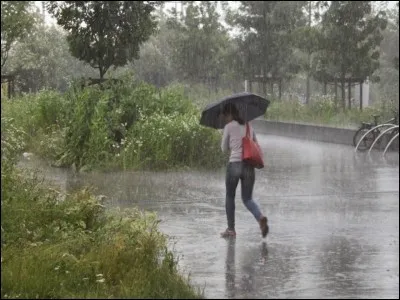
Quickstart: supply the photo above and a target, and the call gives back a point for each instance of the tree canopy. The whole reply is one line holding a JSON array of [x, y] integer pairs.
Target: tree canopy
[[42, 59], [266, 38], [351, 37], [16, 21], [214, 44], [105, 33], [200, 41]]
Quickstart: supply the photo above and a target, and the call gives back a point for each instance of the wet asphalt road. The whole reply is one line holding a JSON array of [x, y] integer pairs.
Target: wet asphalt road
[[333, 216]]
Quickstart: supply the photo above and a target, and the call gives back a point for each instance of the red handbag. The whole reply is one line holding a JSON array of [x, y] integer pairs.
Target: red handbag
[[252, 153]]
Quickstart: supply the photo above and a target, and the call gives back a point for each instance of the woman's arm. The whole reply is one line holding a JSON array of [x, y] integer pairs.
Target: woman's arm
[[225, 140], [254, 137]]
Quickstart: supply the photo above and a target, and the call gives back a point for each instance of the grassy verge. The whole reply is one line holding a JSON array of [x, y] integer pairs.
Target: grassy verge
[[53, 247], [324, 112]]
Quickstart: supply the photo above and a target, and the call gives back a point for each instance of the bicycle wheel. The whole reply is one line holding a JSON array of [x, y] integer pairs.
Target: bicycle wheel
[[390, 136], [367, 141]]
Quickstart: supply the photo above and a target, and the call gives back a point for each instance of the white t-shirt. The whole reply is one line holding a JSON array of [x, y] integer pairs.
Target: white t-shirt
[[232, 139]]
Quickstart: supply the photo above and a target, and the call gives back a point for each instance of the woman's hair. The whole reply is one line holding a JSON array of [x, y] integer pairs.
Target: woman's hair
[[230, 109]]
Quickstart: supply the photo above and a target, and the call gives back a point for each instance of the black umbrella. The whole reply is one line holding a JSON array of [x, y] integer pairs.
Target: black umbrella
[[250, 106]]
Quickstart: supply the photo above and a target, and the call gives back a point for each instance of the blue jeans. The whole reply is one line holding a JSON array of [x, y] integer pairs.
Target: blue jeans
[[246, 174]]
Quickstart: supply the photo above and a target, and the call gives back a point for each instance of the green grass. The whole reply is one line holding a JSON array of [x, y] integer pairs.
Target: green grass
[[76, 249], [71, 246], [324, 112]]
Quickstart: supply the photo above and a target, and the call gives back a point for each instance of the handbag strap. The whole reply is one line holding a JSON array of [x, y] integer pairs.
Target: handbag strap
[[248, 130]]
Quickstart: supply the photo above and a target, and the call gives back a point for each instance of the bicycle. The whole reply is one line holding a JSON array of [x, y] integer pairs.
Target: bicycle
[[370, 138]]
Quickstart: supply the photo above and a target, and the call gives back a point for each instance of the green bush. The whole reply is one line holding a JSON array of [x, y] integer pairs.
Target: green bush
[[161, 141], [97, 134], [36, 111], [12, 142], [42, 117], [20, 110], [88, 127], [70, 246], [73, 248]]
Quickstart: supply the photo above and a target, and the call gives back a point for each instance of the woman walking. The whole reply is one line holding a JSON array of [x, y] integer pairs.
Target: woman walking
[[234, 131]]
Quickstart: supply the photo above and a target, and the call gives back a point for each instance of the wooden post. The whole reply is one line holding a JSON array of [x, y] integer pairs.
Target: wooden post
[[325, 92], [280, 89]]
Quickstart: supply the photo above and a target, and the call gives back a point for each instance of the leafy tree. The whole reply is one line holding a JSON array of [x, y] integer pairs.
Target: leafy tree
[[351, 39], [153, 66], [42, 60], [199, 43], [388, 87], [105, 33], [307, 39], [16, 21], [266, 37], [396, 59], [155, 63]]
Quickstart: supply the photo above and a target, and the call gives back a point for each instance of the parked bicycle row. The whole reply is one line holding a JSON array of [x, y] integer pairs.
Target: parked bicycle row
[[377, 135]]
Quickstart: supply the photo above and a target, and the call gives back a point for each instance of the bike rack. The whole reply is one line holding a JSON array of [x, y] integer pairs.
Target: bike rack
[[372, 129], [390, 142], [379, 136]]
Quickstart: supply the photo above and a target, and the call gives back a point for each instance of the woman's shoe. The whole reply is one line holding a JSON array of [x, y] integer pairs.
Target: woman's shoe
[[264, 226], [228, 233]]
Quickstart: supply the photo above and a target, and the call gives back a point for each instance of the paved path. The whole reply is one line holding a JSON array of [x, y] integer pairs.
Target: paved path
[[334, 223]]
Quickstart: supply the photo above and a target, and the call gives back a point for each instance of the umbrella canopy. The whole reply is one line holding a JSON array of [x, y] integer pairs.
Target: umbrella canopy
[[250, 106]]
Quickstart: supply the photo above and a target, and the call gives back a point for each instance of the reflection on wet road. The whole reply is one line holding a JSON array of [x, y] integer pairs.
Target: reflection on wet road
[[333, 214]]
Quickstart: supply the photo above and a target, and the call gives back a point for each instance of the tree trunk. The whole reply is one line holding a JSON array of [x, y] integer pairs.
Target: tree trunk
[[308, 91], [264, 80], [8, 90], [272, 89], [280, 89], [308, 88], [349, 93], [336, 95], [325, 87], [250, 86], [361, 95], [264, 86], [343, 88], [101, 73]]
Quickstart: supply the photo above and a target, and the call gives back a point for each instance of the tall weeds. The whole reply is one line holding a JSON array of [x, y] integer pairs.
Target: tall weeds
[[126, 124], [70, 246]]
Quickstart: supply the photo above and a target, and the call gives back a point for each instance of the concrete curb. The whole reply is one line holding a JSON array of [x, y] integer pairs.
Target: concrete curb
[[318, 133]]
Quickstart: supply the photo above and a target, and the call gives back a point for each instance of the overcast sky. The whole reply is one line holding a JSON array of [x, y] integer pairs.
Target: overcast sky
[[170, 4]]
